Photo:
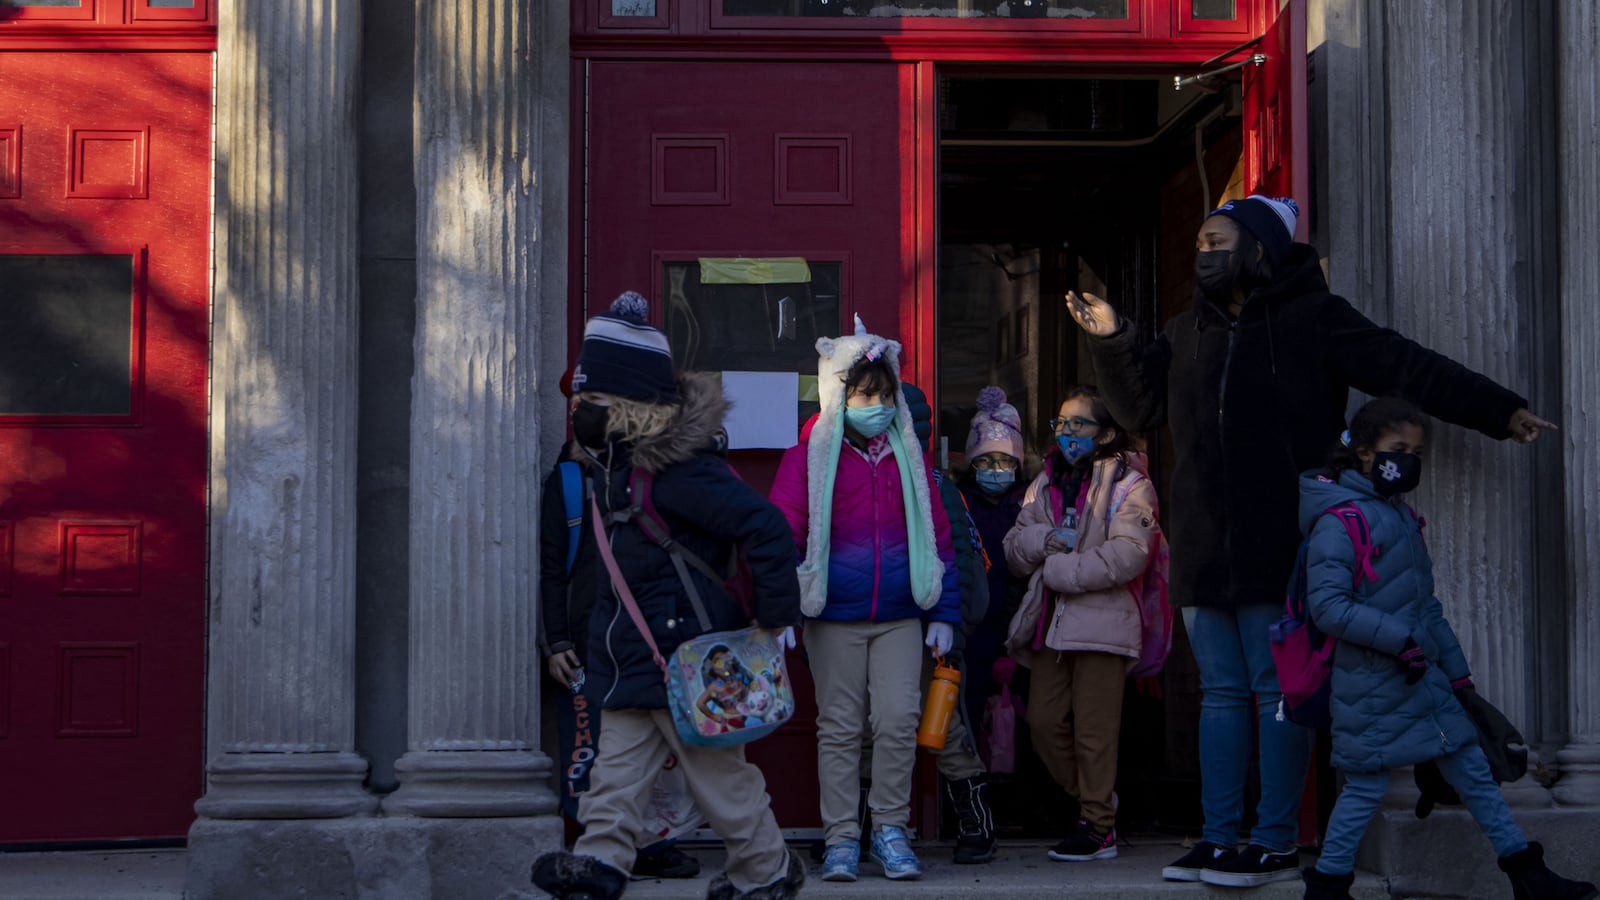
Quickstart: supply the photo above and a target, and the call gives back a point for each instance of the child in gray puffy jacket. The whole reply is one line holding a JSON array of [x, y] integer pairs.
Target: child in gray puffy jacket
[[1398, 666]]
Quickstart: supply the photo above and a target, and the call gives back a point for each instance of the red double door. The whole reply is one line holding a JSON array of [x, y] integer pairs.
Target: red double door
[[104, 235]]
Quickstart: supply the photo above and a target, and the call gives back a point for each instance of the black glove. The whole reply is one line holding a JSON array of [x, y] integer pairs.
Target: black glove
[[1416, 664]]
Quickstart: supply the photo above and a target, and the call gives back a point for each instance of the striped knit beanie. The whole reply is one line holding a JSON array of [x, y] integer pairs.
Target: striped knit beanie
[[623, 355], [1267, 219]]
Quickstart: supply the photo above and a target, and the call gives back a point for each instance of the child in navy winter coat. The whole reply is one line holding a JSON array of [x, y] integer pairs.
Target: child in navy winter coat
[[636, 414], [1397, 665]]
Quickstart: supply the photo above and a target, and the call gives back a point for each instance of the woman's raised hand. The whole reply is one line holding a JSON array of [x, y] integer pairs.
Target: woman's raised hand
[[1093, 314]]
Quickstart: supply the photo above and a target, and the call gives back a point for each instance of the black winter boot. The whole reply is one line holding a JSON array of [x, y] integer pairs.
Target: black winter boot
[[976, 840], [1322, 886], [567, 876], [1532, 880], [785, 888]]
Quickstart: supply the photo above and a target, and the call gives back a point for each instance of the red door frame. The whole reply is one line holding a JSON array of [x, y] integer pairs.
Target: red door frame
[[1159, 38]]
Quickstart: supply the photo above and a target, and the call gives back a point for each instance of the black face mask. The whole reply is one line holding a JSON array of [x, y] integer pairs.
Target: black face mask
[[1395, 473], [1213, 275], [589, 423]]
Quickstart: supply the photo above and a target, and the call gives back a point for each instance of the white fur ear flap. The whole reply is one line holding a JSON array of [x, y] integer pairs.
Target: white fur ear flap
[[825, 347], [860, 327]]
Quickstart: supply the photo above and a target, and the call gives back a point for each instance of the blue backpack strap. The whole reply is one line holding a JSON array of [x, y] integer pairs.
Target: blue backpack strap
[[572, 499]]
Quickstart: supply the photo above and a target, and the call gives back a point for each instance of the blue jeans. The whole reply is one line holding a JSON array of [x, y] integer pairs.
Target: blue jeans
[[1467, 771], [1235, 665]]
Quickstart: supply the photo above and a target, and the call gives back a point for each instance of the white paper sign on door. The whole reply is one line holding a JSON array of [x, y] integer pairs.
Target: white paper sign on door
[[764, 414]]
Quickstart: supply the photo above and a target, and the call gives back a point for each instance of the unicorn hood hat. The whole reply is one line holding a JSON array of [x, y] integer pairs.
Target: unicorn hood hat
[[835, 358]]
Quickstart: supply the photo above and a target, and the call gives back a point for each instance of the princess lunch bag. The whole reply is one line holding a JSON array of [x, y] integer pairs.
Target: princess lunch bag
[[724, 688]]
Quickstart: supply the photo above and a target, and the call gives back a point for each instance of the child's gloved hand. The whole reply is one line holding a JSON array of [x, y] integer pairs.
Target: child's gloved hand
[[940, 637], [785, 638], [1416, 664]]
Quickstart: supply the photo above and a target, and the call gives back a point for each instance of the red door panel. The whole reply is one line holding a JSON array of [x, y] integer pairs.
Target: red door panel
[[104, 232], [773, 159], [1275, 136]]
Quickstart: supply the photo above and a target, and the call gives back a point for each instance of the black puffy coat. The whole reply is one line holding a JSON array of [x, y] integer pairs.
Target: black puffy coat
[[1254, 402], [707, 510]]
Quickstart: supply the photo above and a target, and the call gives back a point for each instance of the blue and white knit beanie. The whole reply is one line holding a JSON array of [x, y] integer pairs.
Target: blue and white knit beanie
[[623, 355], [1270, 220]]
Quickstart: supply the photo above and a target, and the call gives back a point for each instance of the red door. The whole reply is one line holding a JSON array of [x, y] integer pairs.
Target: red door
[[1275, 139], [697, 168], [104, 231]]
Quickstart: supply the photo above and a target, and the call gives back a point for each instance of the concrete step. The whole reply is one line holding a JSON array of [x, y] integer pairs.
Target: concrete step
[[93, 875], [1021, 871]]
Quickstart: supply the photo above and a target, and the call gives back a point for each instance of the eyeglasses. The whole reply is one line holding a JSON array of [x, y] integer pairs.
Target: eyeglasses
[[1073, 425], [993, 465]]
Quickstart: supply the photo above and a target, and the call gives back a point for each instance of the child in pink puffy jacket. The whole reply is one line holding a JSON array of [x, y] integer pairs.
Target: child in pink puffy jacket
[[1086, 530]]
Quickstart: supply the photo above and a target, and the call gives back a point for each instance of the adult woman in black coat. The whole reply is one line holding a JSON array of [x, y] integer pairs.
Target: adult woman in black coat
[[1254, 380]]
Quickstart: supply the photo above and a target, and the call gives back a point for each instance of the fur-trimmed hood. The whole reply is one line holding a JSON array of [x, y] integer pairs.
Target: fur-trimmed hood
[[696, 426]]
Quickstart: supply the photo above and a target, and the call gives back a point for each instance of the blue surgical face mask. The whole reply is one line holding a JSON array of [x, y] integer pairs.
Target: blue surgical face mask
[[869, 421], [1075, 447], [995, 481]]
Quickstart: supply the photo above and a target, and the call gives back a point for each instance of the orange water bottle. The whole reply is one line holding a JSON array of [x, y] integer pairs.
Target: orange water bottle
[[939, 707]]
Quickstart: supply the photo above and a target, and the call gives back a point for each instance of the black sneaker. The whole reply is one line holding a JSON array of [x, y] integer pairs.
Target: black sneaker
[[1253, 867], [1085, 844], [1189, 866], [668, 862]]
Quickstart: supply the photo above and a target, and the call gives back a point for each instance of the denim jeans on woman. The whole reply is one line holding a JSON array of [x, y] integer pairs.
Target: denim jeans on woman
[[1238, 680]]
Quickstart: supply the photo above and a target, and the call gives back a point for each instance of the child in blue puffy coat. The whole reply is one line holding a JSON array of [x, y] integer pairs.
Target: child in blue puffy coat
[[1398, 665]]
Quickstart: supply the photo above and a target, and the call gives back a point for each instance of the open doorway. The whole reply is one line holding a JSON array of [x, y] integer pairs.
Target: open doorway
[[1051, 182]]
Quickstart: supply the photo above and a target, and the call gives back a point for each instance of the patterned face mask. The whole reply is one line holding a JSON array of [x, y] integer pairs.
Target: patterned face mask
[[1395, 473], [1074, 447]]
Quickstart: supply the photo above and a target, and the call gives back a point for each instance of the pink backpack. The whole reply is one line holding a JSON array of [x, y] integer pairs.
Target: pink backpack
[[1149, 592], [1303, 653], [999, 745]]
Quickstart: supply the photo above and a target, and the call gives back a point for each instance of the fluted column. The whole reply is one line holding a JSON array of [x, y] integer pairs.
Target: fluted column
[[1579, 164], [1465, 244], [282, 673], [473, 708]]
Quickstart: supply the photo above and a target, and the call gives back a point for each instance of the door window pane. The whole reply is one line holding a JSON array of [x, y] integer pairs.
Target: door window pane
[[744, 315], [65, 335], [1215, 10], [645, 8], [74, 4], [955, 9]]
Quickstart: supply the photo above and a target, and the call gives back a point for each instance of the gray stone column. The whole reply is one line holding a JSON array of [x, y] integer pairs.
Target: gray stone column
[[475, 478], [1466, 238], [1579, 147], [282, 671]]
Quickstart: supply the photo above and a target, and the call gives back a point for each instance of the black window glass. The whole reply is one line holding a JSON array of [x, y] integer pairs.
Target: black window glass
[[65, 334]]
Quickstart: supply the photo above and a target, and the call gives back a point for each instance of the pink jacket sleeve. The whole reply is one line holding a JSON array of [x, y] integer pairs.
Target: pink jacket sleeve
[[1024, 543], [790, 495]]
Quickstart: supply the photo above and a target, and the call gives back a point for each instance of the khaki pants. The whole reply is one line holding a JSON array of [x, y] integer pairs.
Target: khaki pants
[[1075, 713], [730, 791], [850, 662]]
